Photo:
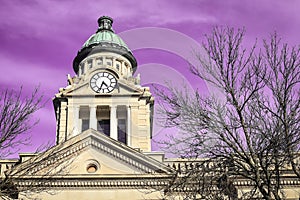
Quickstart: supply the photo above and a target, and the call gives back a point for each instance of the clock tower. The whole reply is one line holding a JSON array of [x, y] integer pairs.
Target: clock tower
[[104, 95]]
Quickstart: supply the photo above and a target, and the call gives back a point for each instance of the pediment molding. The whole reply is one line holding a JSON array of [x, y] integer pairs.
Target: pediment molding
[[99, 141]]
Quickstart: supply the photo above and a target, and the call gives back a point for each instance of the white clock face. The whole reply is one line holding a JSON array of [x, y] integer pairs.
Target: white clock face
[[103, 82]]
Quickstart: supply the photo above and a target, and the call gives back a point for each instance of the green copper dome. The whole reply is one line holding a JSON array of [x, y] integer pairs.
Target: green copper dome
[[105, 37], [104, 40]]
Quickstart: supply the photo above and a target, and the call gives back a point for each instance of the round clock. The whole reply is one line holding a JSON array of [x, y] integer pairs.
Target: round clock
[[103, 82]]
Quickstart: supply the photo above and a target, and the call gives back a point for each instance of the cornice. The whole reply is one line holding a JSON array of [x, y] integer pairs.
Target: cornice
[[137, 181]]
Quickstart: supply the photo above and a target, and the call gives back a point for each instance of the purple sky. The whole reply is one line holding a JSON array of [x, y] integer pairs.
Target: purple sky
[[39, 39]]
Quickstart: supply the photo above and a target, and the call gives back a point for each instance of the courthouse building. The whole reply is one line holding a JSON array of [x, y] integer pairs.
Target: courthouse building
[[104, 120]]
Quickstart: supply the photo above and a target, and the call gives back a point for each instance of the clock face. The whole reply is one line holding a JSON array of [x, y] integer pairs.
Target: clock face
[[103, 82]]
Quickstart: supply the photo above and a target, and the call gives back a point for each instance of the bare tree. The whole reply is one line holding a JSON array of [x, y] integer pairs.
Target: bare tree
[[16, 119], [200, 179], [37, 174], [251, 130]]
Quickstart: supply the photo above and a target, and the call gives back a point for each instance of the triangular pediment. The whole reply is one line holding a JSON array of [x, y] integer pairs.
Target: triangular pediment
[[83, 88], [91, 148]]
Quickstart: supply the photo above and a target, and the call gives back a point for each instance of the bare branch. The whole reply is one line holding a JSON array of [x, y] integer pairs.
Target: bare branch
[[256, 126], [16, 118]]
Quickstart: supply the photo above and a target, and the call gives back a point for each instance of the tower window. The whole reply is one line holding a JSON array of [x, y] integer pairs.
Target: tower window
[[103, 115], [122, 131], [104, 126], [90, 64], [118, 65], [82, 68], [109, 61], [84, 115], [99, 61], [85, 124]]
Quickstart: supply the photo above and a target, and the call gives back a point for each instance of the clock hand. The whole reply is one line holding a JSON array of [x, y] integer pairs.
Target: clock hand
[[103, 83]]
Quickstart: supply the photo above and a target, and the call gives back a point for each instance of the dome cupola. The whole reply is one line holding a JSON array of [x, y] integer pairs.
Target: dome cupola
[[104, 40]]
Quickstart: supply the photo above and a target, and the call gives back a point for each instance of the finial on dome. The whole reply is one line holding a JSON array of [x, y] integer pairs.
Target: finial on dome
[[105, 23]]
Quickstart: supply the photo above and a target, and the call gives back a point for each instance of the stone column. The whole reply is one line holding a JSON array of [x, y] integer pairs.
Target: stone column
[[103, 61], [79, 70], [121, 66], [93, 63], [113, 122], [93, 117], [134, 132], [128, 131], [113, 63], [77, 129]]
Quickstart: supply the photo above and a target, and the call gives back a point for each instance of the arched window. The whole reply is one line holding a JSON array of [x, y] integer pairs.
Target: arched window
[[84, 115], [99, 61], [90, 64], [81, 72]]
